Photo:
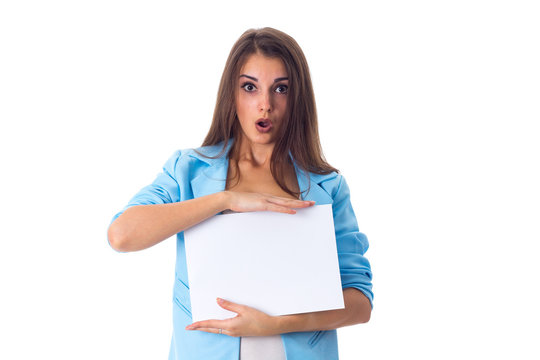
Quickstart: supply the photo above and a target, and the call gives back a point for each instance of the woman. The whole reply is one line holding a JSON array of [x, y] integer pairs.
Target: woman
[[262, 153]]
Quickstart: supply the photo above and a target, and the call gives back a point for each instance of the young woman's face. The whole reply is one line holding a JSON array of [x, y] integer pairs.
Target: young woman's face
[[261, 98]]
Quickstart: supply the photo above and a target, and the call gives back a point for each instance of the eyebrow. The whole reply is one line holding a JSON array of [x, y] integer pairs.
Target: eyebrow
[[255, 79]]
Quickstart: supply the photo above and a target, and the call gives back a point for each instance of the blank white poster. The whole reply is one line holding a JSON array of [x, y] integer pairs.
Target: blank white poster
[[277, 263]]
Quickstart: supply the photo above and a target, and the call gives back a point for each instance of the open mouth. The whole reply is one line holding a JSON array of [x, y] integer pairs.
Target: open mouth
[[263, 125]]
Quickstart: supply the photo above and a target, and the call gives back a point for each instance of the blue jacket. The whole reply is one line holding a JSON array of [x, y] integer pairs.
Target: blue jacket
[[187, 175]]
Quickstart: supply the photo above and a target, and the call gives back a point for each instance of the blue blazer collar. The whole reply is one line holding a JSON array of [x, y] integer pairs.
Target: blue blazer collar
[[214, 177]]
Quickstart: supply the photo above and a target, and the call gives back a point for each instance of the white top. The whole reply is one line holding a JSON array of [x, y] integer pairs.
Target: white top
[[262, 348]]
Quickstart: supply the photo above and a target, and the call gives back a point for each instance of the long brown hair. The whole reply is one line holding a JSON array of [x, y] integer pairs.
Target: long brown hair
[[299, 133]]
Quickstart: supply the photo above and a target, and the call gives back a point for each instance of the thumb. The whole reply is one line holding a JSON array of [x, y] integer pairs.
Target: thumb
[[229, 305]]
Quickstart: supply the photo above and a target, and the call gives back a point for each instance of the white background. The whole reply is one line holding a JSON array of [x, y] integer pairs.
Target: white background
[[428, 108]]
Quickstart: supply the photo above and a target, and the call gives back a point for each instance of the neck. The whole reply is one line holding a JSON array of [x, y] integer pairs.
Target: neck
[[258, 155]]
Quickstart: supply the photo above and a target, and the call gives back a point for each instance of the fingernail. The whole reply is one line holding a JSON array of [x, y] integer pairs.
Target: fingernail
[[219, 300]]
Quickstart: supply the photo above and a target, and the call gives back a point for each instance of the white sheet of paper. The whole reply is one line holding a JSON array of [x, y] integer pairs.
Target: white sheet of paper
[[277, 263]]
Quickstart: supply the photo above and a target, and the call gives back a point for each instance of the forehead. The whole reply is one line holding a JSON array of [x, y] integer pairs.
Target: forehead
[[260, 66]]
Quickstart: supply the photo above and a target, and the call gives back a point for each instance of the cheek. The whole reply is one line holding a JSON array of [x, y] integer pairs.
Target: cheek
[[242, 110], [281, 103], [241, 104]]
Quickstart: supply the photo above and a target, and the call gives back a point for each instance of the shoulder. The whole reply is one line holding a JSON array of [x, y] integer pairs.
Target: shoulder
[[331, 183], [208, 153], [204, 155]]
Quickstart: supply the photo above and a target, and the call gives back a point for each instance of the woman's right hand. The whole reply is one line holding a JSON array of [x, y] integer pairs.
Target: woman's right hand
[[247, 201], [142, 226]]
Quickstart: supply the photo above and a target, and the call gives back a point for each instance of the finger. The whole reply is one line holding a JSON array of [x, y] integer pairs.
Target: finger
[[214, 324], [281, 209], [291, 202], [231, 306], [213, 331]]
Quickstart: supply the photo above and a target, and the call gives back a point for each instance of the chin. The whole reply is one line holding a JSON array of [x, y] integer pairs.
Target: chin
[[260, 139]]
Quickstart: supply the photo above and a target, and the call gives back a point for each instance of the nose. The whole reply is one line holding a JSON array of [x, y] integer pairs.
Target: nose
[[265, 104]]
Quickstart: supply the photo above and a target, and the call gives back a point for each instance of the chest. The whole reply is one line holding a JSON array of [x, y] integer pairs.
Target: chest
[[249, 179]]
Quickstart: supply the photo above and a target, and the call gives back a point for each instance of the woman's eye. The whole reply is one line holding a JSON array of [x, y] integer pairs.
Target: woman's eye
[[248, 87], [282, 89]]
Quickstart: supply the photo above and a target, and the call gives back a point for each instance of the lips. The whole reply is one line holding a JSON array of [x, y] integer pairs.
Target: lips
[[264, 125]]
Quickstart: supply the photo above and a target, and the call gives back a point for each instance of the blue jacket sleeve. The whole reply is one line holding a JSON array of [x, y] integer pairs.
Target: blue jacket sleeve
[[354, 268], [164, 189]]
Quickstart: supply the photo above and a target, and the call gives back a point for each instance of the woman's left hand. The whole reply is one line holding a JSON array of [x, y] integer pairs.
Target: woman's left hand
[[248, 322]]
